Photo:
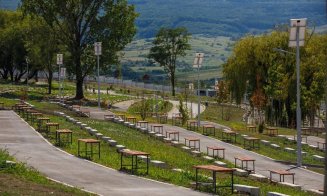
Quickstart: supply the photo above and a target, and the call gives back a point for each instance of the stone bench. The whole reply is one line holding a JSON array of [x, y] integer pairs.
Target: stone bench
[[208, 158], [158, 163], [275, 146], [252, 190], [98, 135], [143, 158], [220, 164], [112, 143], [295, 186], [176, 143], [106, 139], [265, 142], [241, 172], [93, 131], [167, 140], [185, 148], [120, 148], [313, 146], [275, 194], [258, 177], [178, 170], [318, 158], [289, 150], [196, 153], [159, 136], [315, 192]]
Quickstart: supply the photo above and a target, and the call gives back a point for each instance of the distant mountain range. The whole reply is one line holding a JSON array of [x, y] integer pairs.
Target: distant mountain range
[[218, 17]]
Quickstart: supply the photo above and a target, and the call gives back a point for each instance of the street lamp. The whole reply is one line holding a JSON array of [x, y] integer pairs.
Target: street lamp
[[98, 52], [60, 59], [297, 35], [191, 88], [27, 61], [197, 64]]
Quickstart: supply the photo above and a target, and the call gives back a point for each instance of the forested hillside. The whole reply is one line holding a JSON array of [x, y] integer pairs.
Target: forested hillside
[[218, 17]]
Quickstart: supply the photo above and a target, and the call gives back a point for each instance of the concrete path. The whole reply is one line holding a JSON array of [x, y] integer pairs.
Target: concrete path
[[305, 178], [28, 146], [192, 107], [124, 105]]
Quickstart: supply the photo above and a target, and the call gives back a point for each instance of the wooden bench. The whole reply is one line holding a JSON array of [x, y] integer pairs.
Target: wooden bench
[[88, 153], [215, 149], [209, 129], [251, 143], [272, 131], [214, 169], [251, 128], [192, 125], [282, 174], [134, 157], [227, 135], [246, 160], [69, 136], [195, 141], [174, 133]]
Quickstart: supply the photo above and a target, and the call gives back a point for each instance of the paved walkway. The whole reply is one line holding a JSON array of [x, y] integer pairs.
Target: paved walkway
[[28, 146], [192, 107]]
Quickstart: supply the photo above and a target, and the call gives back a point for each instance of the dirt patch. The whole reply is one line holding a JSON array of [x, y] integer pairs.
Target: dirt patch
[[13, 185]]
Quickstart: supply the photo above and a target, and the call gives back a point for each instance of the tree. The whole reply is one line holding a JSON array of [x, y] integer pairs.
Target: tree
[[42, 46], [168, 45], [222, 95], [12, 44], [80, 23]]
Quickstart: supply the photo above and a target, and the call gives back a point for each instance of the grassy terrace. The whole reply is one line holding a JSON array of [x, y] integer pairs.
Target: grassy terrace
[[22, 180], [213, 114], [174, 157]]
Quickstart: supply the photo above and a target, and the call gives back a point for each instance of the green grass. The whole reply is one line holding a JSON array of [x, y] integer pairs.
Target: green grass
[[163, 106], [23, 180], [213, 114], [132, 139]]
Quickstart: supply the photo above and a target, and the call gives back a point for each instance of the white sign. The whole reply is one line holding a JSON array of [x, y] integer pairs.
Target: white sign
[[191, 86], [98, 48], [63, 72], [198, 60], [297, 30], [60, 59]]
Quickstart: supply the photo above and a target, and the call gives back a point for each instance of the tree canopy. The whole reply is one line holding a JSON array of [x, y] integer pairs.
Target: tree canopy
[[81, 23], [168, 45], [268, 77]]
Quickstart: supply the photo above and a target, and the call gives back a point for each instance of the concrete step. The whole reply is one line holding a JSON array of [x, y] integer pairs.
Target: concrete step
[[220, 163], [208, 158], [276, 194], [318, 158], [196, 153], [258, 177], [157, 163], [241, 172], [112, 143], [275, 146], [252, 190], [290, 185]]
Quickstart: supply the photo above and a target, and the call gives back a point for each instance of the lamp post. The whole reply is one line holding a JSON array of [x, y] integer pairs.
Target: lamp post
[[27, 61], [191, 88], [197, 64], [98, 52], [297, 35], [60, 59]]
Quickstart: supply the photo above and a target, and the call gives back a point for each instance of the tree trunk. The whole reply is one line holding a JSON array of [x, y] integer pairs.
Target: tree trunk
[[172, 80], [50, 82], [79, 78]]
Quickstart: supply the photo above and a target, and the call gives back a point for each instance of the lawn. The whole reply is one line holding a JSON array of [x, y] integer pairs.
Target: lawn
[[23, 180], [132, 139]]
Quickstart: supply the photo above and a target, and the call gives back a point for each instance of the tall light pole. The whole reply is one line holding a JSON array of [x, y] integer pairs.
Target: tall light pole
[[297, 35], [191, 88], [27, 61], [98, 52], [60, 59], [197, 64]]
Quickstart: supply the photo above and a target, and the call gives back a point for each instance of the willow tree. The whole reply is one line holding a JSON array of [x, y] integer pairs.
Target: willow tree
[[168, 45], [80, 23], [269, 78]]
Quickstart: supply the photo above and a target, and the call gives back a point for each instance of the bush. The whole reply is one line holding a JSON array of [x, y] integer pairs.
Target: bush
[[261, 127]]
